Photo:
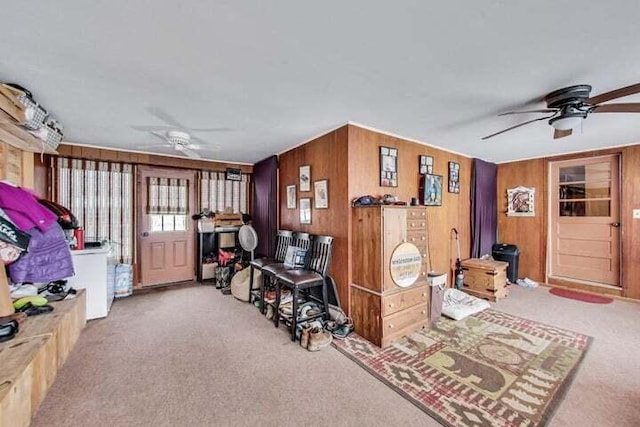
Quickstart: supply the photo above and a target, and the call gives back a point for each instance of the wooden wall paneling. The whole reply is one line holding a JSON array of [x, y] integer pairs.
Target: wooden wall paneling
[[327, 156], [364, 160], [528, 233], [630, 227]]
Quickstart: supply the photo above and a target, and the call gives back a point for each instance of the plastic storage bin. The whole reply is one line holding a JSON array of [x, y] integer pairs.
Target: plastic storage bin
[[510, 254]]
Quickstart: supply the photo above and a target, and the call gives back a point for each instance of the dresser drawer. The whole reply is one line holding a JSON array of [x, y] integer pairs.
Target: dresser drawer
[[406, 318], [405, 299], [418, 238], [416, 224]]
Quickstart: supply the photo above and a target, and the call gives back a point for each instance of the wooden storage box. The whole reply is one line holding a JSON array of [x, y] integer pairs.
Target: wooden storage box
[[485, 278]]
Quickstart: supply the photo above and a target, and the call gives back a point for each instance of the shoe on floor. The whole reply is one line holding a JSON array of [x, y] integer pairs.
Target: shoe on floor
[[318, 339], [304, 336], [269, 314]]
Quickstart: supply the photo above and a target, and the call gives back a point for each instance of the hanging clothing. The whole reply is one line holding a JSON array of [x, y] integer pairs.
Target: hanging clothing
[[48, 258], [22, 207]]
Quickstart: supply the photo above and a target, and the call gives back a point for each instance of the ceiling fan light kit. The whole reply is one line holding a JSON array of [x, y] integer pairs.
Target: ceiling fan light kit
[[571, 105]]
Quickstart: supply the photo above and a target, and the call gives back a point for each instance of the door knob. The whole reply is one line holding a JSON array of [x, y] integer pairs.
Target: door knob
[[145, 234], [615, 224]]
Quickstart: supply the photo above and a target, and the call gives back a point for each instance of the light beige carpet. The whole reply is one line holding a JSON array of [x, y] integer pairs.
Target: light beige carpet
[[195, 357]]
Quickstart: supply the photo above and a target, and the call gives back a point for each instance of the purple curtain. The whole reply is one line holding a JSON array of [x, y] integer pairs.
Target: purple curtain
[[484, 208], [265, 204]]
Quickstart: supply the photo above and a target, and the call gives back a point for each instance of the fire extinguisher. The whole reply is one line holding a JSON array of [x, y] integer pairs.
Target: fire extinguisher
[[459, 272]]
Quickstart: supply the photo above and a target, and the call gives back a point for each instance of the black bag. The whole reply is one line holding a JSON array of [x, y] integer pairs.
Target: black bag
[[65, 218], [13, 241]]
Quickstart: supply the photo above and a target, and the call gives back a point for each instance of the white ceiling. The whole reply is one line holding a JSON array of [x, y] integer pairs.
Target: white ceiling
[[277, 73]]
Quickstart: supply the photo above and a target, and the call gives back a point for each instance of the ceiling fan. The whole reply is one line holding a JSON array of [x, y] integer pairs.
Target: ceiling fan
[[569, 106], [180, 141], [178, 135]]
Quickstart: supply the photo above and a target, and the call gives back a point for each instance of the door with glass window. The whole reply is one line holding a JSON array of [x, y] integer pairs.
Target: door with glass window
[[166, 235], [584, 223]]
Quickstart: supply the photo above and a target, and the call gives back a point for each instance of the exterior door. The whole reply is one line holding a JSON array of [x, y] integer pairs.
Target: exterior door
[[584, 220], [165, 231]]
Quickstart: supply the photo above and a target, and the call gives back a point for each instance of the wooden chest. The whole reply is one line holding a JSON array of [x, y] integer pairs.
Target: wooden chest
[[485, 278]]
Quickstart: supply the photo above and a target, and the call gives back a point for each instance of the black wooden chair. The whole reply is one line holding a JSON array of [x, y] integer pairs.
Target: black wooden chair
[[315, 274], [269, 272], [283, 239]]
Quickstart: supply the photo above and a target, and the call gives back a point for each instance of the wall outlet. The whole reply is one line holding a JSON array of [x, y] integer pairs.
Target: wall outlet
[[636, 214]]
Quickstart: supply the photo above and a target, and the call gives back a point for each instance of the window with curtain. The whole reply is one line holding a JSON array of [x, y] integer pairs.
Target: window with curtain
[[100, 195], [217, 193], [168, 203]]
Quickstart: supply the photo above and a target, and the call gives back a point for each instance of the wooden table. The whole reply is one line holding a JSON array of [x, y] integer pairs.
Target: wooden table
[[29, 362]]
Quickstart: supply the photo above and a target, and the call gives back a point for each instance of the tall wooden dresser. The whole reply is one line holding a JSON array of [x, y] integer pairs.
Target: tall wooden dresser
[[390, 292]]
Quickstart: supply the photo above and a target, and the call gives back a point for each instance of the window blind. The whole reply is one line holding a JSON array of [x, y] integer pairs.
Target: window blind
[[217, 193], [100, 195]]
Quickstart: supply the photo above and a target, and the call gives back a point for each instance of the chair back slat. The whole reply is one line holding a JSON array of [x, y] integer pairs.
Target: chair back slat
[[284, 238], [302, 240], [320, 255]]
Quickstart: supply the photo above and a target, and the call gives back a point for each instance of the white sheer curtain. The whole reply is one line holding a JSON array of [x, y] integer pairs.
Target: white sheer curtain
[[218, 193]]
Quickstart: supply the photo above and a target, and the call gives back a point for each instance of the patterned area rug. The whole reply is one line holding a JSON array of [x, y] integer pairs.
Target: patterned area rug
[[490, 369]]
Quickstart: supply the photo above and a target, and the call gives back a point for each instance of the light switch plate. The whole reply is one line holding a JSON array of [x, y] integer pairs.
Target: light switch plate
[[636, 214]]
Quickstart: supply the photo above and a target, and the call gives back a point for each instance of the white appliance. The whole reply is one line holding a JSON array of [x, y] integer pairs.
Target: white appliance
[[95, 272]]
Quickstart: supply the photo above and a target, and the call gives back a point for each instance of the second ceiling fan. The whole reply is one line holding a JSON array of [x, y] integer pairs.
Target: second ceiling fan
[[569, 106]]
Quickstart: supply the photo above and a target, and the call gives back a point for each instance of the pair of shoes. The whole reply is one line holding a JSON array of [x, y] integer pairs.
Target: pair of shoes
[[318, 339], [341, 329]]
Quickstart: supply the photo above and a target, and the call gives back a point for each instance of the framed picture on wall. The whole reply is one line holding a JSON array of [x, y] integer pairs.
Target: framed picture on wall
[[291, 196], [388, 167], [521, 201], [305, 178], [425, 164], [321, 194], [454, 177], [305, 210], [432, 190]]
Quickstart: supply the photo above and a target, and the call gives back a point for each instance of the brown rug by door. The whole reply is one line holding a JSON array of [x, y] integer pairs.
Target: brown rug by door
[[490, 369], [580, 296]]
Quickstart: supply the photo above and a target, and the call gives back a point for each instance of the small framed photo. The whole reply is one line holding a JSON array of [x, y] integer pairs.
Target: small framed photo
[[305, 178], [432, 190], [425, 164], [305, 210], [233, 174], [454, 177], [388, 167], [291, 196], [321, 194]]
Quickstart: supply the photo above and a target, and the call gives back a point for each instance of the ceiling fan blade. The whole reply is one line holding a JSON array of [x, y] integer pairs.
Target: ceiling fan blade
[[543, 110], [557, 133], [206, 144], [614, 94], [210, 129], [151, 128], [517, 126], [190, 153], [165, 117], [617, 108]]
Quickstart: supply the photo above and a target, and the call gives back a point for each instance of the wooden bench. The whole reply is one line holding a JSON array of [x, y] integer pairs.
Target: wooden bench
[[30, 361]]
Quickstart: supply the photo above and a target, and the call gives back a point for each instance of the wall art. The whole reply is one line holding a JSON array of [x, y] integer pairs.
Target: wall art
[[305, 178], [454, 177], [432, 190], [521, 201], [388, 167], [425, 164], [305, 210], [321, 194], [291, 196]]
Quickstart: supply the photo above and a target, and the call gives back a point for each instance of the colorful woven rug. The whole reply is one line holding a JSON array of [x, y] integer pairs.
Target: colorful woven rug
[[490, 369]]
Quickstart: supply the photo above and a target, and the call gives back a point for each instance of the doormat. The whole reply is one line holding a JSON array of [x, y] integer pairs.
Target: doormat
[[490, 369], [580, 296]]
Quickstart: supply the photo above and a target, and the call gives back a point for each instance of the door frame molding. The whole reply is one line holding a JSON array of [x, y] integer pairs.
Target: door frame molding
[[139, 211], [578, 283]]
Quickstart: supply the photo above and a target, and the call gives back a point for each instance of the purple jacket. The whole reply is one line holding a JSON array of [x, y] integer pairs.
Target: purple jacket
[[48, 258]]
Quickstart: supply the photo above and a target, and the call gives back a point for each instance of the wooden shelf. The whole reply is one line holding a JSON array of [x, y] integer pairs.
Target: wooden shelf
[[29, 362], [20, 138]]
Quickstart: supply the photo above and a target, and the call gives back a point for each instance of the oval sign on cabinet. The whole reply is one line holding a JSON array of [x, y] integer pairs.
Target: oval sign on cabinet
[[406, 263]]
